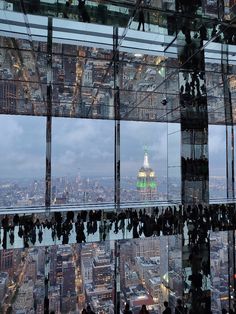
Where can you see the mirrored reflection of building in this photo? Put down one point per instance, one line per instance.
(219, 270)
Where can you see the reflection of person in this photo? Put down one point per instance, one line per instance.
(143, 310)
(141, 18)
(83, 11)
(167, 308)
(127, 309)
(66, 8)
(89, 311)
(179, 308)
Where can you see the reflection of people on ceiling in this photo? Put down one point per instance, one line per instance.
(141, 19)
(188, 6)
(83, 13)
(66, 9)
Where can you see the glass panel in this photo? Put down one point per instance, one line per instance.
(219, 271)
(151, 272)
(78, 275)
(22, 280)
(143, 161)
(174, 167)
(217, 163)
(23, 68)
(82, 161)
(22, 172)
(82, 82)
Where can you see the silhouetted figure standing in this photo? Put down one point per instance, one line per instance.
(127, 309)
(66, 9)
(141, 19)
(203, 33)
(143, 310)
(179, 308)
(83, 11)
(89, 311)
(167, 308)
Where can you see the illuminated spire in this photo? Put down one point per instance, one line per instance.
(146, 162)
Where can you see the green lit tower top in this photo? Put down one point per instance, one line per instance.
(146, 180)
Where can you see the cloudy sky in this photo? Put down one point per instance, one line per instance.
(87, 147)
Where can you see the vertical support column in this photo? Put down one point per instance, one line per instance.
(117, 118)
(194, 174)
(229, 172)
(230, 161)
(228, 123)
(49, 116)
(117, 165)
(230, 195)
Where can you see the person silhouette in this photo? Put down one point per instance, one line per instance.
(141, 18)
(127, 309)
(167, 308)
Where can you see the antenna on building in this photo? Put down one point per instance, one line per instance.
(145, 161)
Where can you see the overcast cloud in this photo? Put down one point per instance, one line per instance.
(87, 147)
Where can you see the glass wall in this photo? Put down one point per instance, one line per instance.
(217, 163)
(22, 161)
(143, 161)
(173, 160)
(219, 271)
(82, 161)
(73, 276)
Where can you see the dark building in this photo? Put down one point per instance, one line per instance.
(102, 269)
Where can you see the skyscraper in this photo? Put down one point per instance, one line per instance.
(146, 181)
(7, 261)
(68, 287)
(102, 269)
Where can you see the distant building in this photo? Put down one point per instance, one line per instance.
(64, 199)
(8, 95)
(102, 269)
(54, 299)
(7, 261)
(25, 298)
(32, 270)
(3, 285)
(68, 287)
(146, 181)
(68, 274)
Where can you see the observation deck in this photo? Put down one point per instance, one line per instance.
(77, 47)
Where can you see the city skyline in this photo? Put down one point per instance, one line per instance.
(83, 147)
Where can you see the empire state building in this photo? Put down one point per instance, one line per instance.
(146, 181)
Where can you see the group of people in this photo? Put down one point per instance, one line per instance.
(155, 221)
(82, 10)
(193, 100)
(179, 309)
(194, 169)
